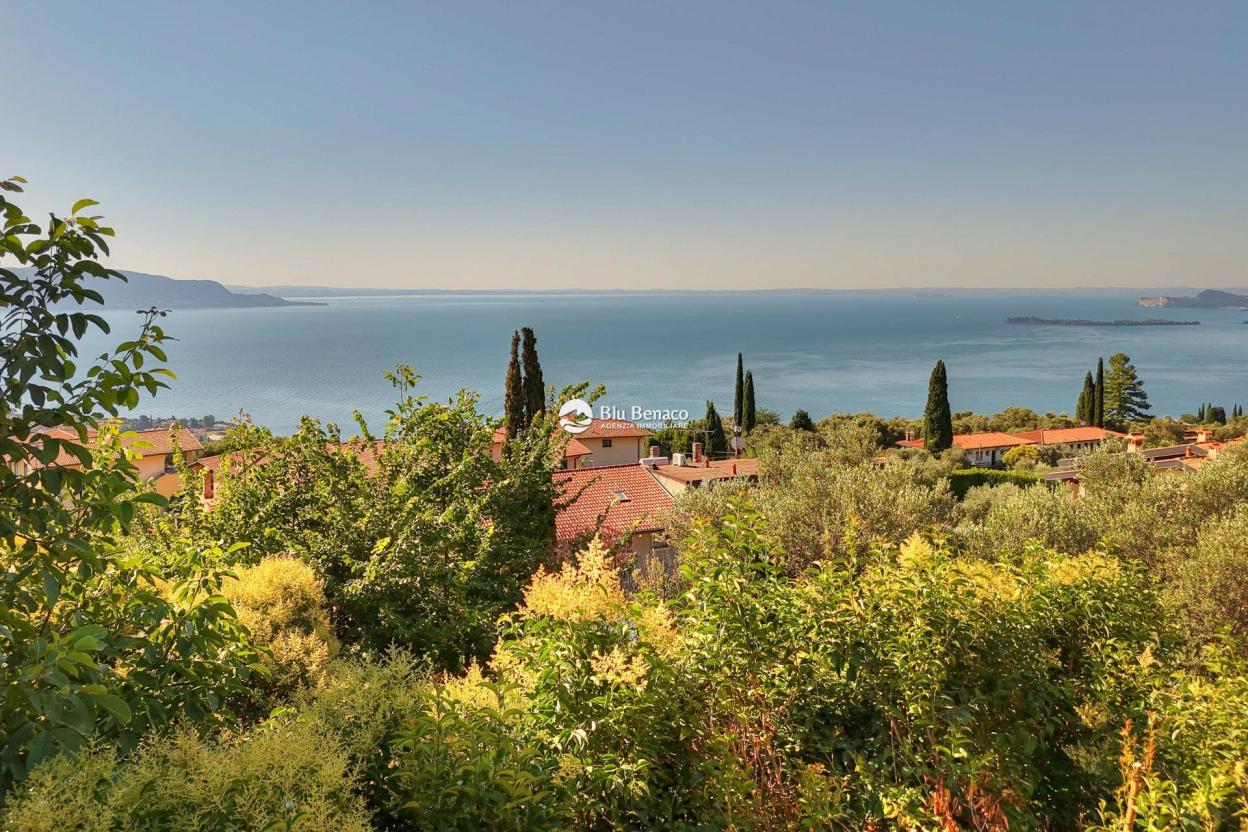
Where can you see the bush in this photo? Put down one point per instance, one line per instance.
(282, 602)
(364, 705)
(1210, 582)
(1056, 519)
(288, 777)
(965, 479)
(819, 510)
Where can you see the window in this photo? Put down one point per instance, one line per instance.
(606, 443)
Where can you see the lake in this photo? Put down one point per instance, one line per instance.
(821, 351)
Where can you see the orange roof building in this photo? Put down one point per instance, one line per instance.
(619, 503)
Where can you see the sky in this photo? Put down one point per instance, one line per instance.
(642, 144)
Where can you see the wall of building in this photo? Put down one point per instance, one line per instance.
(622, 451)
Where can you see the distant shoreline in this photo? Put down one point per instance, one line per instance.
(1028, 320)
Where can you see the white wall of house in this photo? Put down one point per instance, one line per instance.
(614, 451)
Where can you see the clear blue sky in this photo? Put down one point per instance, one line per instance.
(638, 144)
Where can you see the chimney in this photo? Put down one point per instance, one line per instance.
(655, 450)
(1135, 441)
(697, 452)
(1203, 434)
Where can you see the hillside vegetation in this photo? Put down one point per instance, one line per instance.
(372, 634)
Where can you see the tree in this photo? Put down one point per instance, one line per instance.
(1098, 395)
(716, 439)
(1125, 399)
(534, 385)
(750, 413)
(513, 393)
(1217, 414)
(738, 401)
(802, 421)
(1084, 408)
(1201, 412)
(937, 418)
(1021, 456)
(96, 639)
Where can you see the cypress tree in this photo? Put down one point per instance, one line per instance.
(738, 401)
(513, 391)
(716, 439)
(937, 417)
(1084, 407)
(1098, 397)
(534, 386)
(749, 414)
(1200, 412)
(802, 421)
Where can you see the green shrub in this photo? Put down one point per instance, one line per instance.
(965, 479)
(287, 777)
(1209, 587)
(281, 602)
(364, 705)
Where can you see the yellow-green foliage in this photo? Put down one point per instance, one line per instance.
(288, 777)
(282, 603)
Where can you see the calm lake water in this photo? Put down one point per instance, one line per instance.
(822, 351)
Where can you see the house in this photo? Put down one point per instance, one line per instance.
(613, 442)
(153, 449)
(983, 450)
(1184, 458)
(685, 471)
(575, 453)
(622, 504)
(1070, 441)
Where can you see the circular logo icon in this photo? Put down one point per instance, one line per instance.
(576, 416)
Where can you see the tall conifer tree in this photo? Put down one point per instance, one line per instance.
(513, 391)
(738, 401)
(716, 439)
(749, 414)
(534, 386)
(1098, 398)
(1084, 409)
(937, 417)
(1125, 399)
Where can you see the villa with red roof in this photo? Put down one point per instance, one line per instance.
(614, 442)
(985, 450)
(154, 450)
(622, 504)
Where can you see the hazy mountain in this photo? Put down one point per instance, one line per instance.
(140, 291)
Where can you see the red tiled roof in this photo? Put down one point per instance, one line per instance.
(599, 499)
(613, 429)
(1067, 436)
(572, 450)
(150, 442)
(976, 441)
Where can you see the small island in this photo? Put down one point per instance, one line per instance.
(1033, 321)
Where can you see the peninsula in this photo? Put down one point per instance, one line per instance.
(140, 291)
(1033, 321)
(1208, 299)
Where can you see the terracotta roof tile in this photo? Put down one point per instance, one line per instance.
(627, 497)
(976, 441)
(1068, 436)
